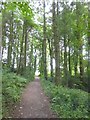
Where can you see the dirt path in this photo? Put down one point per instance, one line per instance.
(34, 103)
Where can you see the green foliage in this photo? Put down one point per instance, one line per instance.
(28, 73)
(12, 86)
(0, 106)
(67, 103)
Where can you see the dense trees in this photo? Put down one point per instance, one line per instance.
(15, 35)
(59, 43)
(88, 44)
(50, 39)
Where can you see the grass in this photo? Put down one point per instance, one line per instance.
(67, 103)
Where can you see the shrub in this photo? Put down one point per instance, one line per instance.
(28, 74)
(67, 103)
(12, 86)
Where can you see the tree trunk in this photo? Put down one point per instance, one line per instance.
(65, 60)
(35, 61)
(69, 58)
(70, 63)
(31, 57)
(76, 55)
(3, 30)
(44, 45)
(79, 39)
(17, 58)
(81, 63)
(9, 57)
(88, 67)
(21, 51)
(51, 56)
(56, 46)
(26, 35)
(75, 61)
(14, 56)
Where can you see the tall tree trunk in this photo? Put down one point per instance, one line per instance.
(51, 56)
(65, 46)
(13, 53)
(81, 63)
(69, 58)
(35, 61)
(13, 64)
(79, 39)
(88, 67)
(3, 30)
(75, 61)
(76, 55)
(65, 60)
(42, 61)
(69, 64)
(44, 44)
(20, 68)
(56, 46)
(31, 57)
(9, 57)
(17, 56)
(26, 35)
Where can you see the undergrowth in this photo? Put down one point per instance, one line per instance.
(67, 103)
(12, 86)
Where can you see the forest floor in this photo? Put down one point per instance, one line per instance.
(34, 103)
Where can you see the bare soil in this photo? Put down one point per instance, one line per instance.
(34, 103)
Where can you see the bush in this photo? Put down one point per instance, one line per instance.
(67, 103)
(28, 74)
(12, 86)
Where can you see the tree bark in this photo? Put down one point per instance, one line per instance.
(88, 34)
(56, 46)
(79, 39)
(65, 60)
(35, 61)
(17, 58)
(9, 57)
(44, 45)
(20, 68)
(3, 30)
(51, 56)
(69, 58)
(26, 35)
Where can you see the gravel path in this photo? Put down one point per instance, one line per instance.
(34, 103)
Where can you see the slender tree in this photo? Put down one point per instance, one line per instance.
(25, 49)
(21, 51)
(9, 57)
(56, 46)
(88, 67)
(79, 38)
(44, 44)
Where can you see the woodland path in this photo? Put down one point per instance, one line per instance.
(34, 103)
